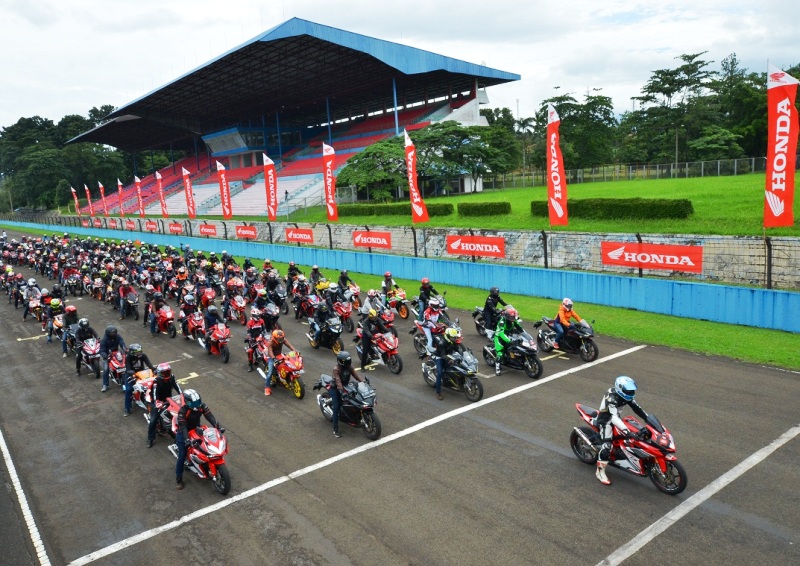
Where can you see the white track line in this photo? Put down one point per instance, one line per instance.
(116, 547)
(630, 548)
(41, 552)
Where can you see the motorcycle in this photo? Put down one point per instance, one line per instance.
(648, 451)
(270, 316)
(116, 367)
(165, 321)
(577, 339)
(278, 296)
(421, 340)
(131, 306)
(73, 285)
(329, 337)
(89, 352)
(305, 306)
(236, 309)
(98, 289)
(196, 326)
(288, 372)
(459, 374)
(383, 349)
(220, 336)
(58, 326)
(520, 353)
(414, 304)
(352, 294)
(205, 456)
(397, 301)
(345, 312)
(143, 398)
(358, 405)
(35, 309)
(480, 322)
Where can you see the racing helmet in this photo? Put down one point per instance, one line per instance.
(625, 387)
(343, 358)
(164, 371)
(278, 336)
(453, 335)
(192, 398)
(567, 303)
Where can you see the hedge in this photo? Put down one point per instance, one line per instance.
(392, 209)
(483, 208)
(614, 209)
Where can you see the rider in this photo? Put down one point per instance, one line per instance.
(32, 291)
(341, 377)
(84, 332)
(372, 302)
(275, 348)
(54, 309)
(315, 276)
(450, 344)
(135, 362)
(158, 302)
(301, 289)
(212, 317)
(335, 294)
(110, 343)
(160, 390)
(508, 325)
(344, 279)
(426, 291)
(489, 323)
(608, 417)
(565, 313)
(188, 308)
(388, 286)
(124, 290)
(70, 318)
(430, 319)
(255, 328)
(321, 315)
(369, 327)
(189, 417)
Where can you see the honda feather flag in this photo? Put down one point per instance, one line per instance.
(328, 165)
(161, 198)
(556, 183)
(89, 199)
(187, 188)
(77, 204)
(103, 197)
(119, 196)
(138, 183)
(782, 131)
(224, 192)
(419, 212)
(271, 184)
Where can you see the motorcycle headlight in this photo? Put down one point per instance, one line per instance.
(665, 441)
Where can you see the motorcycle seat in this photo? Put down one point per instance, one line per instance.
(588, 410)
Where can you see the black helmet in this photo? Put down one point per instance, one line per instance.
(135, 350)
(111, 331)
(158, 295)
(323, 308)
(343, 358)
(84, 323)
(344, 272)
(212, 309)
(494, 291)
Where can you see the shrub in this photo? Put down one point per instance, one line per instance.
(483, 208)
(356, 210)
(614, 209)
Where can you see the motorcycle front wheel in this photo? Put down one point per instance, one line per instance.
(372, 426)
(96, 368)
(488, 357)
(584, 452)
(473, 389)
(222, 480)
(298, 387)
(395, 363)
(226, 354)
(349, 326)
(673, 481)
(589, 351)
(285, 307)
(172, 331)
(135, 313)
(533, 367)
(326, 403)
(337, 346)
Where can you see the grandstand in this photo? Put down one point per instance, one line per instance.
(293, 101)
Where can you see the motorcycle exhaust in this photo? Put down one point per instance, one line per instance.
(586, 440)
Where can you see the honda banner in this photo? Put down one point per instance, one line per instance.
(175, 228)
(89, 198)
(271, 184)
(130, 225)
(301, 235)
(480, 246)
(97, 223)
(419, 212)
(328, 166)
(653, 256)
(161, 198)
(77, 204)
(119, 196)
(138, 183)
(187, 189)
(224, 192)
(367, 239)
(556, 182)
(85, 222)
(151, 226)
(112, 223)
(208, 230)
(103, 197)
(782, 131)
(247, 232)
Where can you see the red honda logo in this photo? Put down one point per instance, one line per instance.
(246, 232)
(481, 246)
(653, 256)
(304, 235)
(367, 239)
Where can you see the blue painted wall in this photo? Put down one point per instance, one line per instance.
(765, 308)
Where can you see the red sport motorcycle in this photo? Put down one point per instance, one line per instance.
(206, 456)
(165, 321)
(288, 372)
(89, 352)
(383, 349)
(345, 312)
(236, 309)
(116, 367)
(648, 449)
(220, 336)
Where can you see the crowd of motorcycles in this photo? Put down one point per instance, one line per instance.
(102, 271)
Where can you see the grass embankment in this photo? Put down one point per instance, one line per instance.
(722, 205)
(755, 345)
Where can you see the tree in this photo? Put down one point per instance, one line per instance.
(379, 169)
(40, 169)
(716, 143)
(501, 117)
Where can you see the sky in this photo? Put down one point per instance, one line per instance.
(60, 58)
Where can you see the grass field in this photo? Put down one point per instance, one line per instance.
(722, 205)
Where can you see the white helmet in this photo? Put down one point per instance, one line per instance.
(31, 282)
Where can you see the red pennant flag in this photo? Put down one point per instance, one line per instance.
(271, 184)
(103, 197)
(419, 212)
(77, 204)
(161, 198)
(89, 198)
(138, 183)
(556, 183)
(224, 192)
(328, 165)
(187, 188)
(119, 195)
(782, 132)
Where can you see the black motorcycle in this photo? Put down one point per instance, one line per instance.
(459, 374)
(577, 339)
(278, 296)
(480, 322)
(358, 405)
(329, 337)
(520, 353)
(73, 285)
(131, 306)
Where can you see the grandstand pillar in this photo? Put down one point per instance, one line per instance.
(278, 123)
(172, 157)
(328, 113)
(394, 94)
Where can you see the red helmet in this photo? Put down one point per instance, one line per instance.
(278, 336)
(425, 281)
(71, 309)
(388, 275)
(511, 314)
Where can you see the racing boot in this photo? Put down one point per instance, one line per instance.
(497, 368)
(601, 473)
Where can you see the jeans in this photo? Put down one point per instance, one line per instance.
(122, 305)
(336, 403)
(559, 331)
(423, 304)
(180, 441)
(439, 373)
(270, 369)
(49, 330)
(152, 323)
(129, 393)
(105, 371)
(429, 336)
(64, 342)
(155, 414)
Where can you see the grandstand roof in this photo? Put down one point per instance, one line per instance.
(290, 69)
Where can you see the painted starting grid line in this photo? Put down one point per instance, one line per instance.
(673, 516)
(116, 547)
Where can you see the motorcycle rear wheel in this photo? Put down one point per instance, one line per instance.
(222, 480)
(589, 351)
(395, 363)
(372, 426)
(480, 324)
(298, 387)
(420, 344)
(671, 483)
(226, 354)
(583, 451)
(402, 310)
(534, 367)
(473, 389)
(429, 373)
